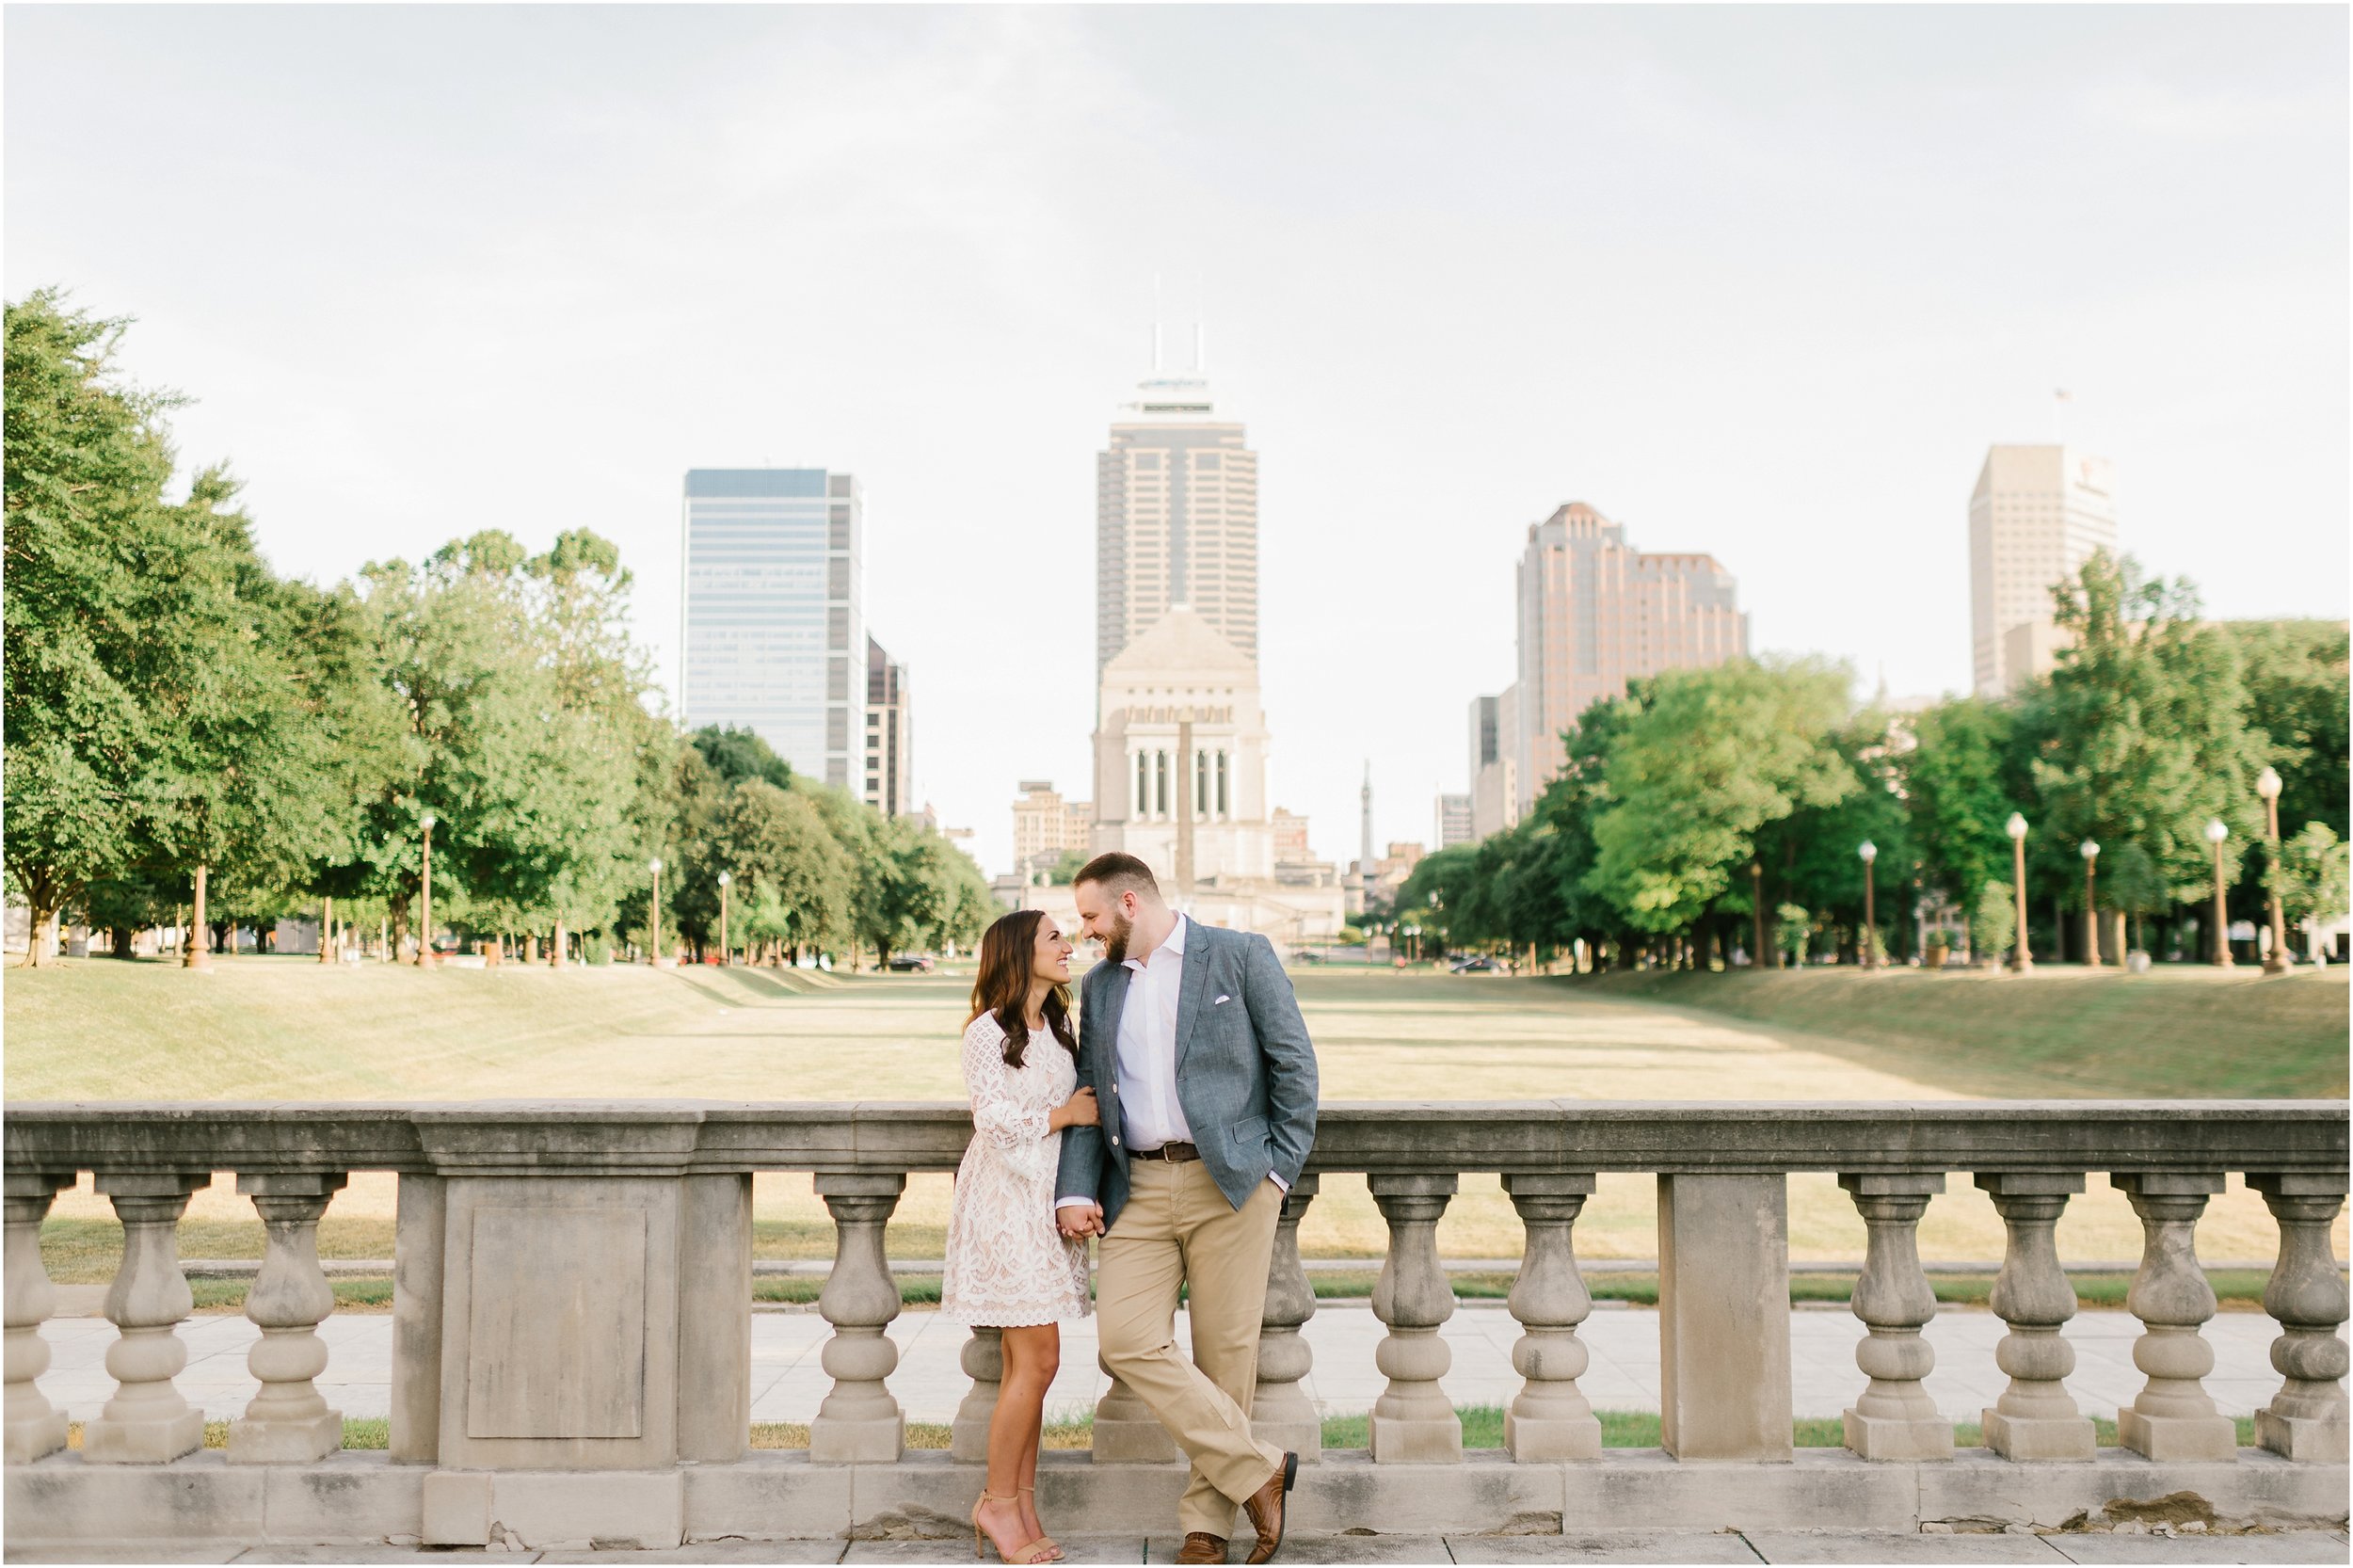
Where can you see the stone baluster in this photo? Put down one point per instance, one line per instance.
(2035, 1419)
(1126, 1431)
(1413, 1421)
(1280, 1411)
(984, 1362)
(2173, 1417)
(288, 1422)
(147, 1422)
(2306, 1419)
(860, 1421)
(1551, 1418)
(1894, 1418)
(33, 1429)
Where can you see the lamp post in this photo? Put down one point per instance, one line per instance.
(2215, 833)
(1763, 960)
(2267, 786)
(2021, 957)
(2091, 852)
(425, 931)
(654, 914)
(724, 880)
(1870, 852)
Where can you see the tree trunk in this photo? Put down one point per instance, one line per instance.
(199, 956)
(399, 938)
(326, 931)
(555, 948)
(122, 938)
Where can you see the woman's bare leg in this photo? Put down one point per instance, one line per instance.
(1048, 1363)
(1013, 1433)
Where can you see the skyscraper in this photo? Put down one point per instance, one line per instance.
(1594, 613)
(2037, 515)
(1494, 794)
(1176, 518)
(1454, 822)
(890, 735)
(771, 635)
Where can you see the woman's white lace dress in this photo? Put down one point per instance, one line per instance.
(1008, 1266)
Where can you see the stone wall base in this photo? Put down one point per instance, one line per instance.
(353, 1499)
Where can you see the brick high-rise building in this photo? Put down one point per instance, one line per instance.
(1595, 612)
(890, 735)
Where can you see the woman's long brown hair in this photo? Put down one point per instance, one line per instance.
(1008, 955)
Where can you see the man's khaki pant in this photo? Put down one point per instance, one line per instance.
(1176, 1230)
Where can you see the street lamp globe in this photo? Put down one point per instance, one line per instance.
(2216, 832)
(725, 879)
(430, 820)
(2090, 850)
(654, 865)
(2016, 826)
(1868, 850)
(2267, 784)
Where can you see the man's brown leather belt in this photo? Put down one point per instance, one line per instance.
(1171, 1152)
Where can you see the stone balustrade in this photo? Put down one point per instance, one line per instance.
(573, 1293)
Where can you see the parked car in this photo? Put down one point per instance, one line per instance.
(1476, 963)
(912, 963)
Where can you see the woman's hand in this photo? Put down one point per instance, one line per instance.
(1077, 1111)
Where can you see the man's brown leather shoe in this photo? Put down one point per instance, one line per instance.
(1201, 1547)
(1265, 1507)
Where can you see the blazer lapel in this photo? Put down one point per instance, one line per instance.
(1102, 1022)
(1196, 982)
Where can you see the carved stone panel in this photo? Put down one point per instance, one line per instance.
(557, 1331)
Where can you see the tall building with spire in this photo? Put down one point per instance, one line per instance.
(1175, 517)
(1180, 738)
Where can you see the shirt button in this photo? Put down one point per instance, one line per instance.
(1115, 1143)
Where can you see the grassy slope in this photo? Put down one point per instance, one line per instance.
(2174, 1032)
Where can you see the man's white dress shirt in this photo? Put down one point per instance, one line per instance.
(1149, 1113)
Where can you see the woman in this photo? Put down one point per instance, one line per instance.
(1008, 1266)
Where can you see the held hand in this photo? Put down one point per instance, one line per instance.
(1079, 1221)
(1080, 1110)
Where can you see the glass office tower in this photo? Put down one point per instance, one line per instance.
(770, 632)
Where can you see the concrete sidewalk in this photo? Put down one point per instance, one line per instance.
(787, 1382)
(1663, 1546)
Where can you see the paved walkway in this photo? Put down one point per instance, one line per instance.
(2054, 1551)
(787, 1382)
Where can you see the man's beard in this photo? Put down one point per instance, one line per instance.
(1115, 945)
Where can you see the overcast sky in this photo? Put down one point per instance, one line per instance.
(1759, 283)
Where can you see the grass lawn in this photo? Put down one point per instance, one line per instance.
(290, 1029)
(2177, 1031)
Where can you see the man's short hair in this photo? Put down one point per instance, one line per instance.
(1117, 873)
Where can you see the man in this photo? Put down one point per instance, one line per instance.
(1193, 1042)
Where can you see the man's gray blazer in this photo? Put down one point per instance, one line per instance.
(1245, 1071)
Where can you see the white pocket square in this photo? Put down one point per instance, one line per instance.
(1221, 1001)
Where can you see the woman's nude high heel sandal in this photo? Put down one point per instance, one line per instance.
(1034, 1552)
(1046, 1541)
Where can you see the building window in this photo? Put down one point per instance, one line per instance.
(1143, 785)
(1160, 783)
(1224, 803)
(1200, 783)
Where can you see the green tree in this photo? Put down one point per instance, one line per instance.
(1713, 755)
(736, 755)
(2313, 879)
(1961, 779)
(92, 571)
(2140, 733)
(2296, 681)
(776, 839)
(2131, 882)
(1993, 920)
